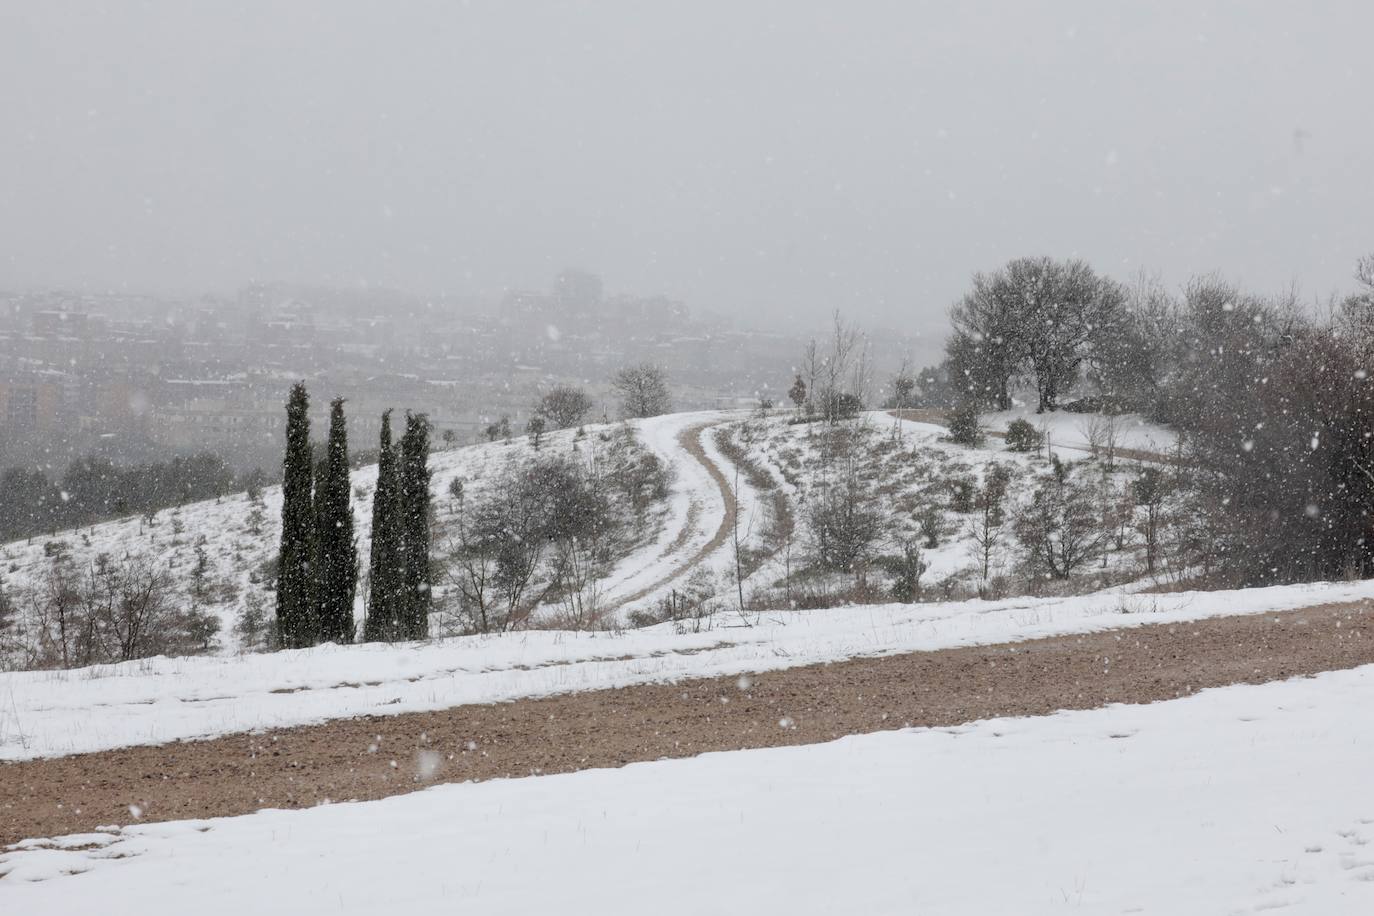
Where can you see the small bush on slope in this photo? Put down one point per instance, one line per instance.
(1022, 436)
(963, 425)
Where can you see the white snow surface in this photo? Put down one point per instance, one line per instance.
(1070, 430)
(1237, 800)
(153, 701)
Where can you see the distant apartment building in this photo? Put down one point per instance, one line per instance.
(29, 407)
(59, 323)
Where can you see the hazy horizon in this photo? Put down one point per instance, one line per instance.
(766, 160)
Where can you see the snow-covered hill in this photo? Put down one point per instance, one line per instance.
(923, 492)
(230, 544)
(220, 553)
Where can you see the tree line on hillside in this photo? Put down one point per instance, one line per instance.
(1273, 402)
(641, 389)
(317, 568)
(94, 489)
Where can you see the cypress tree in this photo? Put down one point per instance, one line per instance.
(336, 555)
(413, 524)
(384, 566)
(294, 611)
(319, 466)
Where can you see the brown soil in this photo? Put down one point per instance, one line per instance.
(378, 756)
(690, 440)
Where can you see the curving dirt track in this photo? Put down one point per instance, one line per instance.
(367, 758)
(690, 442)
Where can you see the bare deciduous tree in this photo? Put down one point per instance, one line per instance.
(811, 370)
(643, 390)
(137, 604)
(113, 610)
(989, 519)
(581, 587)
(1102, 432)
(564, 406)
(845, 372)
(1149, 490)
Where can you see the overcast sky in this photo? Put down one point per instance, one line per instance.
(752, 158)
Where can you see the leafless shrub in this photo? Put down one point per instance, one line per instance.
(1102, 432)
(691, 608)
(114, 609)
(580, 602)
(990, 517)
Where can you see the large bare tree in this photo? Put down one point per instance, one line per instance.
(643, 390)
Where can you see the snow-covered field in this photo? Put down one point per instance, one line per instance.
(1074, 431)
(1236, 800)
(52, 713)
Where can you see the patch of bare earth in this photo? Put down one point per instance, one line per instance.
(368, 758)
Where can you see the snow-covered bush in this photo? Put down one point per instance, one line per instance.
(1022, 436)
(963, 425)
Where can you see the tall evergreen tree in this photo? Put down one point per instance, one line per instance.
(295, 625)
(413, 523)
(319, 466)
(384, 567)
(336, 554)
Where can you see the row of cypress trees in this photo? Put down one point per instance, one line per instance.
(317, 573)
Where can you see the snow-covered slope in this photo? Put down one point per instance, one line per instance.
(912, 475)
(1237, 800)
(239, 539)
(53, 713)
(695, 509)
(1074, 432)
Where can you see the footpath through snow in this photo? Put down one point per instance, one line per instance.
(699, 510)
(153, 701)
(1236, 800)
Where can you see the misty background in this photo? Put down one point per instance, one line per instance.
(769, 160)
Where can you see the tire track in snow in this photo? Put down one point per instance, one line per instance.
(689, 440)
